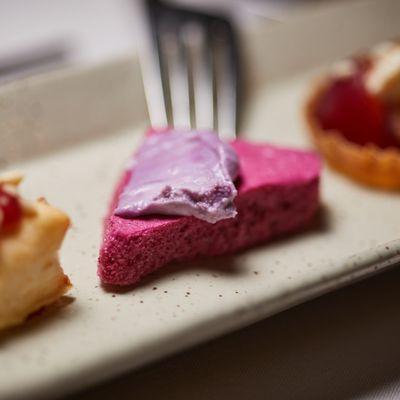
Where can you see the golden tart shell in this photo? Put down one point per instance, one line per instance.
(369, 164)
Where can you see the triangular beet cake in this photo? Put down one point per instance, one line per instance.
(277, 194)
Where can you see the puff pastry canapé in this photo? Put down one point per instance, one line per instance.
(30, 273)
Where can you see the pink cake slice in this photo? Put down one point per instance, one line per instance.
(278, 193)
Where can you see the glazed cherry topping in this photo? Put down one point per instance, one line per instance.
(346, 106)
(10, 208)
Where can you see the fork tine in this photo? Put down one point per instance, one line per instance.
(226, 79)
(196, 58)
(178, 72)
(202, 72)
(152, 66)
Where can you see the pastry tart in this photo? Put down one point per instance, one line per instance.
(353, 116)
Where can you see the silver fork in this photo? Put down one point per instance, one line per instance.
(190, 69)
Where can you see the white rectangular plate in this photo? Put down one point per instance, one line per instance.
(71, 133)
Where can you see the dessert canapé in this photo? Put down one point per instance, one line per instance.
(275, 191)
(30, 235)
(353, 115)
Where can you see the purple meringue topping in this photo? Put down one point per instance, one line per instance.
(182, 173)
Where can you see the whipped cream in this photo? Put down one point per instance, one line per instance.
(383, 79)
(343, 68)
(181, 173)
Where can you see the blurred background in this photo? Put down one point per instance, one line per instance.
(44, 34)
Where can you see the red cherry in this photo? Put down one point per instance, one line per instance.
(10, 208)
(347, 106)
